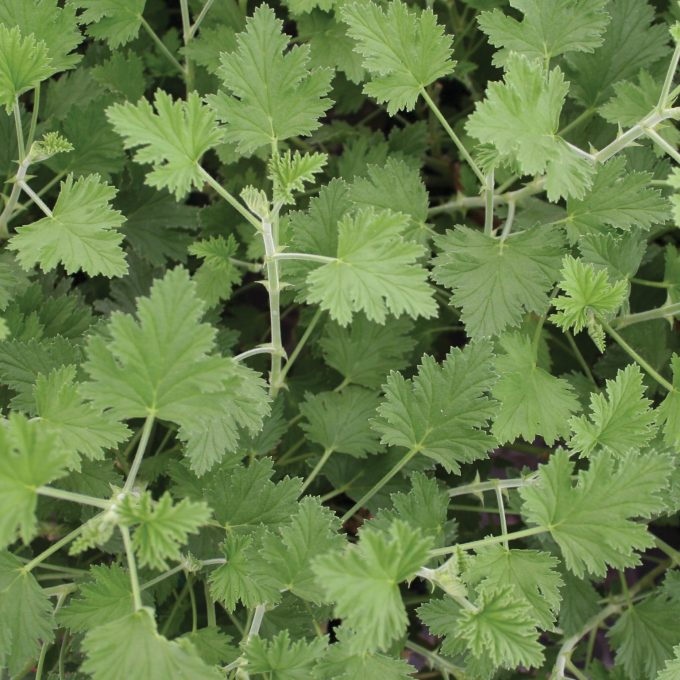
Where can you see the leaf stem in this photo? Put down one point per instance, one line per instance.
(406, 458)
(507, 227)
(663, 144)
(434, 660)
(491, 485)
(229, 198)
(301, 343)
(317, 468)
(637, 358)
(162, 46)
(64, 495)
(139, 455)
(501, 508)
(35, 198)
(34, 116)
(570, 643)
(489, 540)
(55, 547)
(132, 567)
(254, 629)
(488, 203)
(262, 349)
(274, 291)
(19, 130)
(199, 19)
(665, 312)
(454, 137)
(664, 99)
(311, 257)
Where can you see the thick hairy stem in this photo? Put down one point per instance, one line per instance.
(515, 535)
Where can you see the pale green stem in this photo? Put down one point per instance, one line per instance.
(488, 203)
(584, 115)
(436, 661)
(274, 292)
(19, 130)
(637, 358)
(229, 198)
(664, 99)
(317, 468)
(501, 508)
(663, 144)
(257, 621)
(567, 648)
(35, 198)
(651, 284)
(199, 19)
(162, 46)
(650, 121)
(186, 37)
(262, 349)
(665, 312)
(209, 606)
(454, 137)
(302, 342)
(507, 227)
(132, 567)
(139, 455)
(63, 495)
(491, 485)
(34, 116)
(311, 257)
(55, 547)
(490, 540)
(406, 458)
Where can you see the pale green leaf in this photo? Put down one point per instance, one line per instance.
(530, 573)
(547, 29)
(161, 528)
(617, 198)
(365, 352)
(312, 531)
(443, 411)
(520, 117)
(132, 647)
(172, 139)
(339, 421)
(49, 23)
(363, 581)
(28, 459)
(270, 94)
(593, 521)
(403, 49)
(532, 401)
(496, 282)
(620, 422)
(78, 428)
(107, 597)
(82, 232)
(282, 659)
(115, 21)
(644, 636)
(163, 362)
(24, 63)
(25, 615)
(376, 271)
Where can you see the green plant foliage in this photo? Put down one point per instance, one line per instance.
(339, 340)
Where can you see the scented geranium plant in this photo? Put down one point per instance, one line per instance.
(339, 340)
